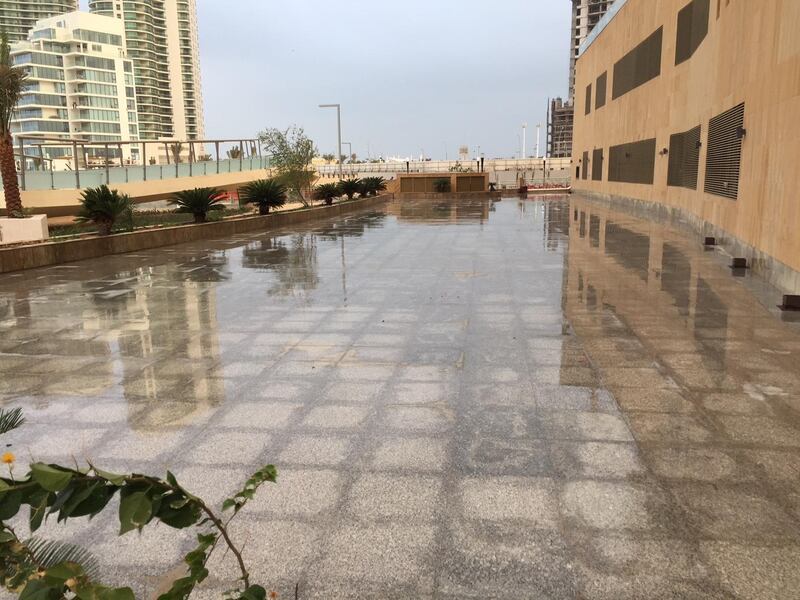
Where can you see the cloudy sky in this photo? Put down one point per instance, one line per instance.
(411, 75)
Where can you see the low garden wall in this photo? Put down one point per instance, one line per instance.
(49, 253)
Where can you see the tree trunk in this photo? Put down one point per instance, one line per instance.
(200, 217)
(328, 201)
(263, 209)
(8, 170)
(104, 227)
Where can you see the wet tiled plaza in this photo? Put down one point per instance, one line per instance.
(464, 399)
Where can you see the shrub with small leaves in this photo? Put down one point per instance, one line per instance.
(37, 569)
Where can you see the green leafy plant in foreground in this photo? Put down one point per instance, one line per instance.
(37, 569)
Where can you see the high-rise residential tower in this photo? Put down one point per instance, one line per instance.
(586, 14)
(17, 17)
(162, 42)
(80, 84)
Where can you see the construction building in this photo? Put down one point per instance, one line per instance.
(586, 14)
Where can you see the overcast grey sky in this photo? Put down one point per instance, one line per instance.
(410, 74)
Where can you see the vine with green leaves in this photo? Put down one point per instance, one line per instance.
(41, 569)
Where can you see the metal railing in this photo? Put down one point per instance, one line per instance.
(444, 166)
(91, 164)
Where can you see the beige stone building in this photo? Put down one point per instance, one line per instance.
(693, 108)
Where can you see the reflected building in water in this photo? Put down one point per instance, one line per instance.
(625, 275)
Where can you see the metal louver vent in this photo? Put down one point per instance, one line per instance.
(692, 29)
(638, 66)
(585, 165)
(600, 91)
(588, 99)
(684, 159)
(724, 153)
(633, 162)
(597, 164)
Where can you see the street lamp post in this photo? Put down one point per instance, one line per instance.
(339, 131)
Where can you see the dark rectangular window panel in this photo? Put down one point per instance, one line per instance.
(585, 163)
(597, 164)
(724, 153)
(692, 29)
(638, 66)
(588, 99)
(600, 91)
(684, 159)
(632, 163)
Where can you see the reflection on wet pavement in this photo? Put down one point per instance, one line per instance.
(513, 399)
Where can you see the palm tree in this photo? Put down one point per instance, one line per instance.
(12, 84)
(198, 202)
(103, 206)
(372, 186)
(266, 193)
(326, 192)
(350, 187)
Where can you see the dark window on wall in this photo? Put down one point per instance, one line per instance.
(724, 153)
(585, 163)
(692, 29)
(638, 66)
(597, 164)
(684, 159)
(588, 99)
(600, 91)
(633, 162)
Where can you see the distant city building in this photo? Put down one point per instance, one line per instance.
(585, 16)
(17, 17)
(162, 42)
(560, 117)
(80, 83)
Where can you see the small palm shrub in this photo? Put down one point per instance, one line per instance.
(103, 207)
(264, 193)
(198, 202)
(350, 187)
(326, 192)
(372, 186)
(442, 185)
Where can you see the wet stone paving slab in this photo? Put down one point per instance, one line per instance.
(464, 399)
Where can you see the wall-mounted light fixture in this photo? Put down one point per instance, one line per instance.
(698, 144)
(741, 132)
(663, 152)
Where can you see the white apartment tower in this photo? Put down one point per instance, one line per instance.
(162, 41)
(17, 17)
(80, 83)
(585, 15)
